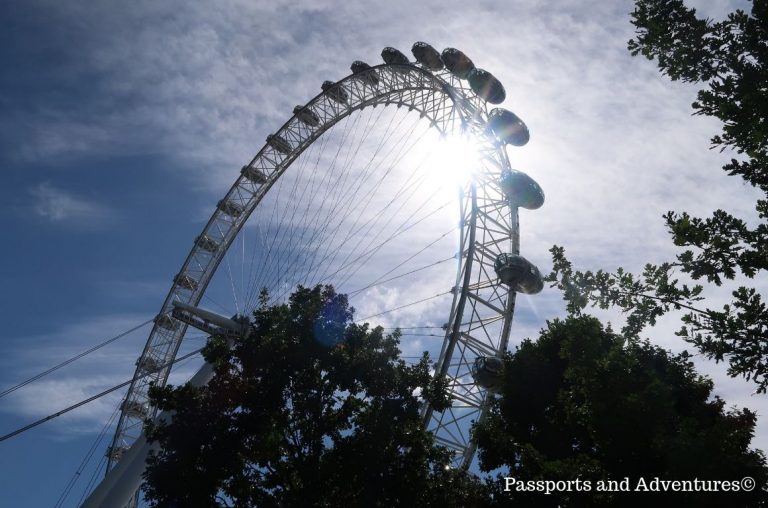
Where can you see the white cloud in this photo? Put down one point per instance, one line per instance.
(57, 205)
(25, 357)
(41, 399)
(613, 143)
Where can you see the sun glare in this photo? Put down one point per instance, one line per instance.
(455, 159)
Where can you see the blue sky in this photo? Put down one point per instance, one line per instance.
(122, 124)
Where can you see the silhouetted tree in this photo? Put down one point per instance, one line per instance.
(310, 409)
(582, 403)
(730, 58)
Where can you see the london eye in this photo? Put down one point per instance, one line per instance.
(394, 185)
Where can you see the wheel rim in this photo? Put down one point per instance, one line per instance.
(481, 310)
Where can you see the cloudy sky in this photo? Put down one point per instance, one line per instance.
(122, 124)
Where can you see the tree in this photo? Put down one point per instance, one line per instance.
(605, 408)
(730, 58)
(310, 409)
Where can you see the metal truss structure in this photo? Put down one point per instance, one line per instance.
(482, 309)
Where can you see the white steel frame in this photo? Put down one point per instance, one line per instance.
(482, 309)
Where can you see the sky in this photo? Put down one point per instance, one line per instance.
(122, 124)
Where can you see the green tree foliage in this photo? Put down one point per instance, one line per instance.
(730, 58)
(309, 410)
(584, 403)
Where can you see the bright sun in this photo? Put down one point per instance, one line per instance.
(453, 161)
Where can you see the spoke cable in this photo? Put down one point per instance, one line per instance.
(74, 358)
(374, 220)
(92, 482)
(404, 306)
(266, 275)
(378, 282)
(365, 259)
(91, 399)
(351, 195)
(339, 189)
(397, 155)
(392, 237)
(86, 459)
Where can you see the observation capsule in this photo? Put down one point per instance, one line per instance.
(115, 453)
(306, 116)
(457, 62)
(518, 273)
(488, 373)
(427, 56)
(230, 208)
(148, 365)
(253, 174)
(521, 190)
(166, 322)
(185, 281)
(135, 409)
(335, 92)
(486, 86)
(393, 56)
(206, 243)
(364, 73)
(279, 143)
(507, 127)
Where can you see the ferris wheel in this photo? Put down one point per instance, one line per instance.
(347, 192)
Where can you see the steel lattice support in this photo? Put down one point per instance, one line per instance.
(482, 309)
